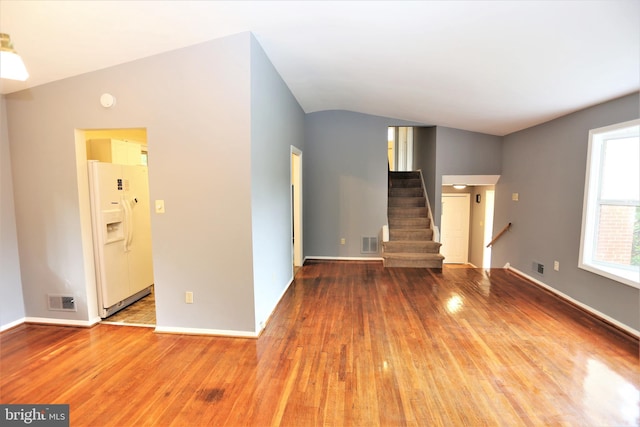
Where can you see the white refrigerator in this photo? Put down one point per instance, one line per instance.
(121, 222)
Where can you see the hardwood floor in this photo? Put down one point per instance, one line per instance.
(350, 344)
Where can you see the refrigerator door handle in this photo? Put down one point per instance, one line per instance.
(130, 222)
(127, 223)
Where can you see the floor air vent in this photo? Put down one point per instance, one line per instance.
(369, 245)
(62, 303)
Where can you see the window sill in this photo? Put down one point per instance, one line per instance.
(624, 276)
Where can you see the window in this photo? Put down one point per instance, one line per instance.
(610, 241)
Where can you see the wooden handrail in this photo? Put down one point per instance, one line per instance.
(504, 230)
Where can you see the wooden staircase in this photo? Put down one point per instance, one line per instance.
(410, 230)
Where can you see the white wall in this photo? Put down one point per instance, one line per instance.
(195, 104)
(11, 300)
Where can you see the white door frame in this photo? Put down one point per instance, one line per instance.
(489, 197)
(296, 207)
(86, 231)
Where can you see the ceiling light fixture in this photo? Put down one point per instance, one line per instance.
(459, 186)
(11, 65)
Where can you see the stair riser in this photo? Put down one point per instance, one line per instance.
(395, 223)
(410, 202)
(405, 192)
(404, 175)
(410, 234)
(407, 212)
(415, 247)
(406, 183)
(413, 263)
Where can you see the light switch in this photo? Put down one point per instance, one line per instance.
(159, 206)
(515, 197)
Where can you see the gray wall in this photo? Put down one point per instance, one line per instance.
(277, 123)
(424, 158)
(195, 104)
(546, 166)
(11, 301)
(344, 181)
(460, 152)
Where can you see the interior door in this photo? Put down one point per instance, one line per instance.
(454, 225)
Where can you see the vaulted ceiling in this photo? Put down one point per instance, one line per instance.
(487, 66)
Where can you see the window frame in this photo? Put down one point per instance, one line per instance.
(591, 212)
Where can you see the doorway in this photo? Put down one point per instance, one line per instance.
(400, 148)
(454, 224)
(126, 148)
(296, 209)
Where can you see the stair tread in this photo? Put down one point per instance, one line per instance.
(410, 234)
(406, 241)
(404, 173)
(417, 229)
(409, 208)
(405, 198)
(413, 255)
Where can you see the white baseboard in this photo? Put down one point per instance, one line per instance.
(62, 322)
(11, 324)
(334, 258)
(201, 331)
(585, 307)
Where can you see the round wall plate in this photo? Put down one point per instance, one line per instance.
(107, 100)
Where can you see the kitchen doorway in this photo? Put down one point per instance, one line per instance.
(113, 225)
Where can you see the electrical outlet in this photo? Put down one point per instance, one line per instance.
(343, 241)
(556, 265)
(188, 297)
(515, 197)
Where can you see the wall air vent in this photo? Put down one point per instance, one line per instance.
(62, 302)
(537, 267)
(369, 245)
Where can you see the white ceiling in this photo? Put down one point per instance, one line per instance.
(487, 66)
